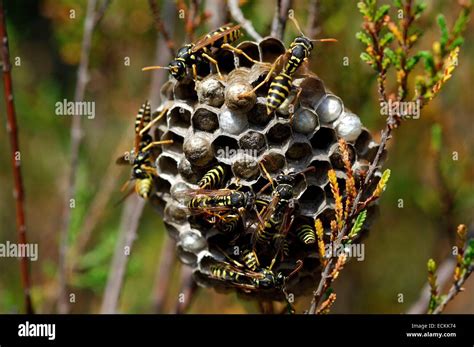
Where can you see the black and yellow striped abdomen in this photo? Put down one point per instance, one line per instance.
(143, 117)
(143, 187)
(306, 234)
(250, 259)
(279, 90)
(224, 273)
(229, 223)
(213, 179)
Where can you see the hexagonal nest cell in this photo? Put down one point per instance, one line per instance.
(224, 122)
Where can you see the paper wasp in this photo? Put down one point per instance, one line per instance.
(194, 55)
(252, 277)
(218, 204)
(277, 217)
(297, 55)
(141, 157)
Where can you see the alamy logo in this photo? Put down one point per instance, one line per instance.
(229, 153)
(75, 108)
(404, 109)
(353, 250)
(19, 250)
(28, 329)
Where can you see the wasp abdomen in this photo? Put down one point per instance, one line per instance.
(306, 234)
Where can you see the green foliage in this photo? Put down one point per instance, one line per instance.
(444, 30)
(383, 51)
(469, 254)
(359, 222)
(364, 38)
(381, 12)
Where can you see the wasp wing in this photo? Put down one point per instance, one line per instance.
(209, 39)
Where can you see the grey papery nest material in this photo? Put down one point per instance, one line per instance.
(210, 124)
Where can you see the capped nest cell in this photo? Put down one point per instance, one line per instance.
(221, 121)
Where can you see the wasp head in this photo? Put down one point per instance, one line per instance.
(177, 69)
(285, 179)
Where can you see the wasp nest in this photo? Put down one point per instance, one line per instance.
(217, 121)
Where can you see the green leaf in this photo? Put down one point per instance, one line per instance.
(367, 58)
(386, 62)
(386, 39)
(412, 61)
(469, 254)
(431, 265)
(392, 56)
(359, 222)
(444, 30)
(419, 9)
(460, 24)
(381, 12)
(397, 3)
(364, 10)
(429, 61)
(436, 137)
(364, 38)
(456, 43)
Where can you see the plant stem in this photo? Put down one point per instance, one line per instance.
(128, 232)
(76, 138)
(280, 17)
(18, 190)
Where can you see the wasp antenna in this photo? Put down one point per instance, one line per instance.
(293, 19)
(155, 67)
(323, 40)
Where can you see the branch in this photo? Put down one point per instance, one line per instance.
(128, 232)
(237, 14)
(161, 27)
(187, 290)
(444, 274)
(100, 13)
(164, 274)
(455, 289)
(18, 191)
(313, 27)
(92, 17)
(280, 17)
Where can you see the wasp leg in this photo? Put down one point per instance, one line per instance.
(267, 78)
(241, 52)
(214, 62)
(269, 178)
(156, 119)
(157, 143)
(149, 169)
(293, 104)
(195, 75)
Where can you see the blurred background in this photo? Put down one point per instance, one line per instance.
(436, 191)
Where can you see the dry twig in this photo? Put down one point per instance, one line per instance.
(164, 274)
(93, 16)
(280, 17)
(160, 26)
(187, 290)
(237, 14)
(128, 232)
